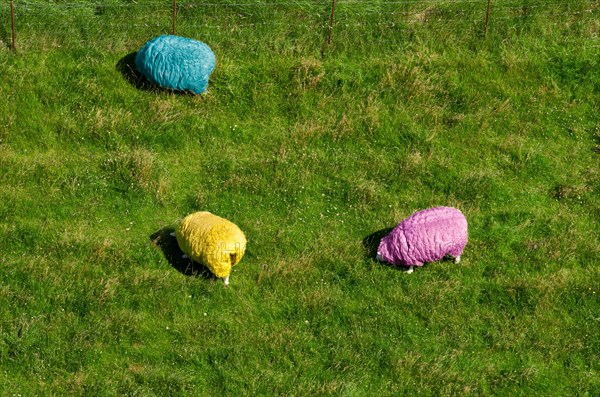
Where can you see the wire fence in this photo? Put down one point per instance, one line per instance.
(33, 24)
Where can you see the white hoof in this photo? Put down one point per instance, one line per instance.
(226, 281)
(410, 269)
(457, 259)
(184, 256)
(379, 258)
(172, 234)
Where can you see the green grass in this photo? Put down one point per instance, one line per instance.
(311, 155)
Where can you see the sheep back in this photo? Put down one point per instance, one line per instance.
(426, 236)
(177, 63)
(212, 241)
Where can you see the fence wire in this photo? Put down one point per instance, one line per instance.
(49, 23)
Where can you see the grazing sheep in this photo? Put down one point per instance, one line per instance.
(177, 63)
(212, 241)
(426, 236)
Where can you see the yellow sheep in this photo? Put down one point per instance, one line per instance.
(212, 241)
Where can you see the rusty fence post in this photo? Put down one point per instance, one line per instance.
(174, 17)
(331, 22)
(487, 16)
(12, 18)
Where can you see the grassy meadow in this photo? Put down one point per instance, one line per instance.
(315, 151)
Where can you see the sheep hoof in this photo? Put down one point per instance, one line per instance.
(172, 234)
(457, 259)
(410, 269)
(226, 281)
(184, 256)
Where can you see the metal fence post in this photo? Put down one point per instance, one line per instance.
(487, 17)
(174, 17)
(12, 18)
(331, 22)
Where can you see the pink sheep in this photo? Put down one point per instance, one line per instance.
(425, 236)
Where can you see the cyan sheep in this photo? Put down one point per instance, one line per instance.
(177, 63)
(426, 236)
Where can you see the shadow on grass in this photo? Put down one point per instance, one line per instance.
(126, 66)
(4, 38)
(173, 254)
(371, 242)
(596, 148)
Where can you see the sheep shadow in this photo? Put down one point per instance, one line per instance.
(5, 39)
(126, 66)
(173, 254)
(371, 242)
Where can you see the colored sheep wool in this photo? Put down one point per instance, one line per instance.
(177, 63)
(426, 236)
(212, 241)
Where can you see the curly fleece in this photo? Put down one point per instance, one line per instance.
(212, 241)
(426, 236)
(176, 62)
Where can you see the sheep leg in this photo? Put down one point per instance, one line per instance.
(410, 269)
(172, 234)
(457, 259)
(184, 256)
(226, 281)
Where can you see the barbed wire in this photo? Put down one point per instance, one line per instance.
(447, 15)
(239, 16)
(279, 3)
(320, 4)
(322, 26)
(98, 8)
